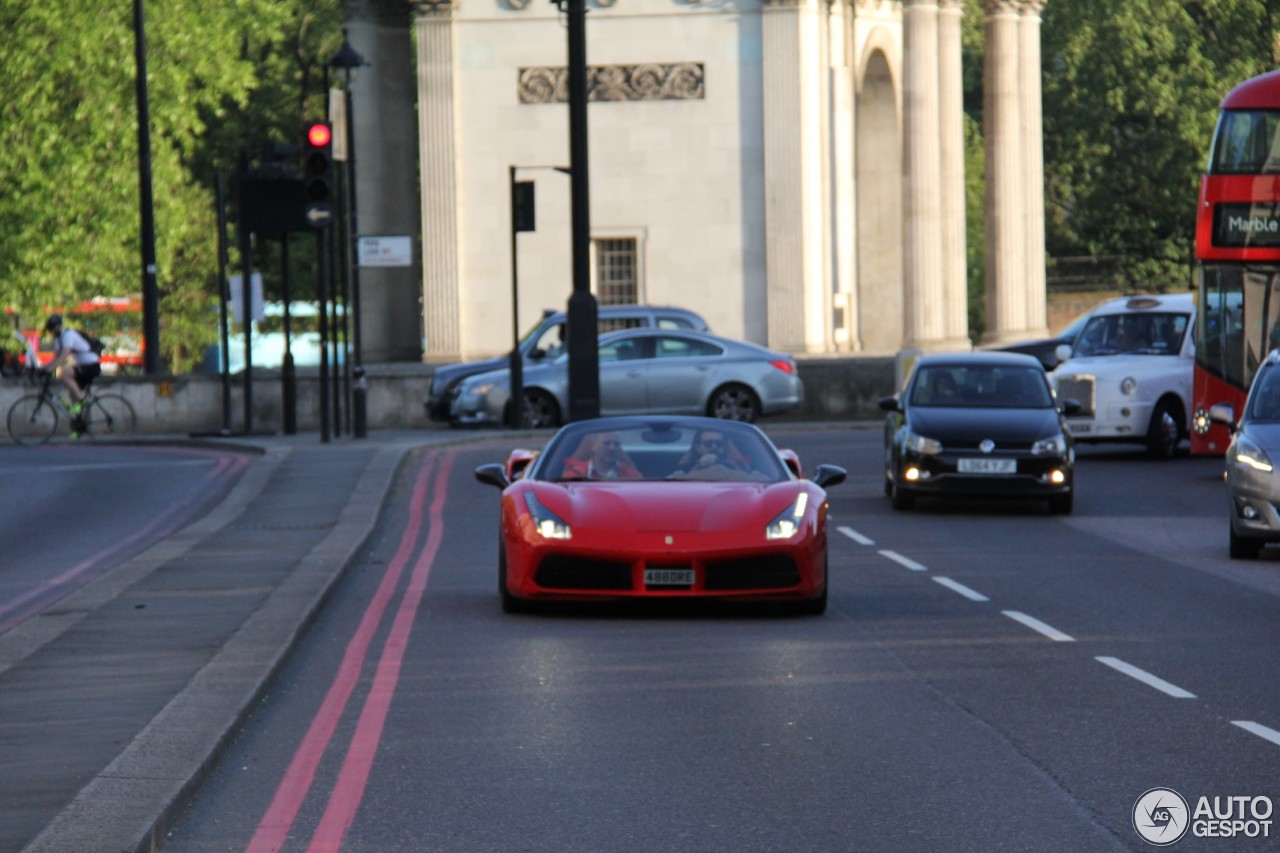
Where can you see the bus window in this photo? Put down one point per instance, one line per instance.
(1247, 143)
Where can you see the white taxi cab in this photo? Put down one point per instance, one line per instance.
(1130, 370)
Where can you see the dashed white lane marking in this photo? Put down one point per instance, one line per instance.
(955, 586)
(903, 561)
(1259, 730)
(855, 536)
(1036, 625)
(1147, 678)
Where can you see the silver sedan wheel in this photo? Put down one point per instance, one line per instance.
(540, 409)
(734, 403)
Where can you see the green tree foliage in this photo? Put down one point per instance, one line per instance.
(69, 215)
(1131, 89)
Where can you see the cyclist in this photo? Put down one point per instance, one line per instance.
(79, 362)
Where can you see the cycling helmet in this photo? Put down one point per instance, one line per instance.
(53, 323)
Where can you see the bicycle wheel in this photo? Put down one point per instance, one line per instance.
(32, 420)
(108, 415)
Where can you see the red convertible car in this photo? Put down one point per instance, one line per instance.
(661, 508)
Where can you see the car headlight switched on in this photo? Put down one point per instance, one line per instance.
(920, 444)
(1251, 455)
(1128, 385)
(1052, 446)
(787, 524)
(547, 523)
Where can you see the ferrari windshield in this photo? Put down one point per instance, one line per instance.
(981, 386)
(630, 449)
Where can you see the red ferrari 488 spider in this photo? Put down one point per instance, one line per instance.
(661, 508)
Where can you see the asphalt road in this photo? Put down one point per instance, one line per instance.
(69, 513)
(986, 678)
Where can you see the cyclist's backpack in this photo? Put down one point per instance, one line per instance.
(95, 344)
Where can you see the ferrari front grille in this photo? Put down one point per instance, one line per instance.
(558, 572)
(776, 571)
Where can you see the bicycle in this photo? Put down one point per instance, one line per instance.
(34, 418)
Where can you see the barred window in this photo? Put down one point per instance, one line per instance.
(616, 271)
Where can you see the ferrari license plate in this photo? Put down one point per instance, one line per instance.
(988, 466)
(668, 577)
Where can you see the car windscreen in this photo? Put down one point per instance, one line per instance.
(1145, 333)
(632, 451)
(980, 386)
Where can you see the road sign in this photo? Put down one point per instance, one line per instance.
(385, 251)
(319, 214)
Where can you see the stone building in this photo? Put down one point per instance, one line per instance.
(791, 169)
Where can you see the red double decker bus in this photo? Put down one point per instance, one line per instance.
(1237, 254)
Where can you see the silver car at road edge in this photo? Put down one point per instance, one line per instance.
(647, 371)
(1253, 482)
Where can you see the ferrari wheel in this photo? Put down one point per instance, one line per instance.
(510, 604)
(818, 605)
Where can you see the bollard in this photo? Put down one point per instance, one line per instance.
(359, 404)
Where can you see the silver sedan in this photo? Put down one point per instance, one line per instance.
(647, 371)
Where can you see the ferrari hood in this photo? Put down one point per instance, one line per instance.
(672, 507)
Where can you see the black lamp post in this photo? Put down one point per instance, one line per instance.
(345, 61)
(150, 289)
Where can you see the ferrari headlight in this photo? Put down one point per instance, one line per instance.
(1053, 446)
(919, 444)
(1128, 385)
(547, 523)
(787, 524)
(1251, 455)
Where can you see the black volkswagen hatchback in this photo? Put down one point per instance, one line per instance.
(977, 425)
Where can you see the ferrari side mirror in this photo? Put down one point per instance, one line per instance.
(829, 475)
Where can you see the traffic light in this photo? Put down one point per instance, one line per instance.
(317, 173)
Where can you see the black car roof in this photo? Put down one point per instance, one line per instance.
(981, 358)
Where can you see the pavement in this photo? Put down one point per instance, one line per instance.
(116, 702)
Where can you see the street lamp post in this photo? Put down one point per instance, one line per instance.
(146, 204)
(584, 354)
(346, 60)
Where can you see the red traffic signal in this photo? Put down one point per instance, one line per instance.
(319, 134)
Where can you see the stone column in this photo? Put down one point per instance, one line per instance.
(843, 165)
(1005, 197)
(384, 98)
(922, 170)
(790, 52)
(952, 190)
(437, 133)
(1033, 165)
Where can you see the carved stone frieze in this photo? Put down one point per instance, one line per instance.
(681, 81)
(1001, 7)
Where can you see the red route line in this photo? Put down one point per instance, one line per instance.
(273, 829)
(21, 608)
(354, 777)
